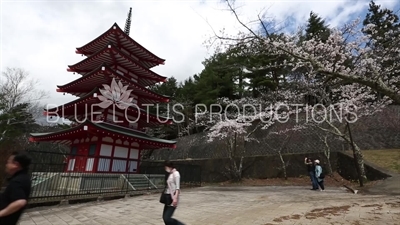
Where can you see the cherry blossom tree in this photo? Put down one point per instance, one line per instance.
(368, 55)
(343, 105)
(237, 120)
(323, 137)
(358, 65)
(282, 146)
(340, 105)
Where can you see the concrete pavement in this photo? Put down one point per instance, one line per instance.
(232, 205)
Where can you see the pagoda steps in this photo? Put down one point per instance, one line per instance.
(61, 184)
(142, 181)
(40, 178)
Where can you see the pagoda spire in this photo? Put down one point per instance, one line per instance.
(128, 22)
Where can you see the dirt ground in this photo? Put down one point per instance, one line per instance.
(333, 180)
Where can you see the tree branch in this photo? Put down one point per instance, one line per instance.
(237, 18)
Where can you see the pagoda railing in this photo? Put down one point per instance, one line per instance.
(51, 183)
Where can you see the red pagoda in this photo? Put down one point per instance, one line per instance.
(111, 110)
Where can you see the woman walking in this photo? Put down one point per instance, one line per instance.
(170, 197)
(319, 175)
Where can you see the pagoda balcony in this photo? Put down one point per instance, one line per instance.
(88, 107)
(104, 75)
(90, 129)
(102, 147)
(118, 37)
(119, 61)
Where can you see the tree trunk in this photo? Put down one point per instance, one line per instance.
(283, 165)
(329, 164)
(327, 154)
(358, 158)
(239, 170)
(235, 170)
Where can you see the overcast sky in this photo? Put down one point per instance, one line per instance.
(41, 36)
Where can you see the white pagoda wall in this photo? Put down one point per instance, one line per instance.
(121, 156)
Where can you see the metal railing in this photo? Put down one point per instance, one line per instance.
(190, 174)
(54, 179)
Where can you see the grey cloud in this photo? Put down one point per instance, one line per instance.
(41, 37)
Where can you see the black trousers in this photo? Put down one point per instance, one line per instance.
(321, 184)
(167, 216)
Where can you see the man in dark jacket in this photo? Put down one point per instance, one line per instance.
(15, 197)
(311, 172)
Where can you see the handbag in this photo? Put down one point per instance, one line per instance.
(165, 198)
(162, 198)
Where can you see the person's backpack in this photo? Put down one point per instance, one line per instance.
(322, 175)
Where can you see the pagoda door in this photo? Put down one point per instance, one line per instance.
(81, 158)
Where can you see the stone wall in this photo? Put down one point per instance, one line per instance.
(347, 168)
(262, 167)
(381, 131)
(258, 167)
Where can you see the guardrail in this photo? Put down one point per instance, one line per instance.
(51, 182)
(47, 187)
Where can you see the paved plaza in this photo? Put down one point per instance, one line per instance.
(232, 205)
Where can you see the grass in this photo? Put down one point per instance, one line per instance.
(386, 158)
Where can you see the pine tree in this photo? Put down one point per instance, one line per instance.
(316, 28)
(386, 36)
(384, 20)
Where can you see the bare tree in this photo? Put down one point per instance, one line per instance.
(19, 98)
(18, 87)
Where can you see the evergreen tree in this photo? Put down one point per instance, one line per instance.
(316, 28)
(384, 20)
(386, 35)
(15, 121)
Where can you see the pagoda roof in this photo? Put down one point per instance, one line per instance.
(114, 56)
(104, 75)
(89, 128)
(79, 108)
(117, 36)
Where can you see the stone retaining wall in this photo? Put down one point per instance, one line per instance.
(381, 131)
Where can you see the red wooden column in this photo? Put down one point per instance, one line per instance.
(128, 160)
(97, 154)
(112, 154)
(138, 160)
(68, 159)
(138, 122)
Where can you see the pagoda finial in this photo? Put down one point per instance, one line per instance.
(128, 22)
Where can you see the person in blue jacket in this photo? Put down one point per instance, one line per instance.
(318, 173)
